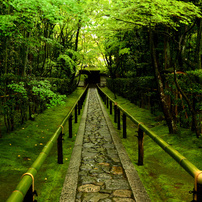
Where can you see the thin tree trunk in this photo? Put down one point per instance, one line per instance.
(6, 57)
(26, 55)
(76, 48)
(193, 112)
(166, 110)
(167, 52)
(199, 44)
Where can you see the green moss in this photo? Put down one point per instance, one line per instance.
(20, 148)
(162, 176)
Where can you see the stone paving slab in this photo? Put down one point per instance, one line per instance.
(99, 169)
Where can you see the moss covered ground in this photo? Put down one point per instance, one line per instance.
(20, 148)
(163, 178)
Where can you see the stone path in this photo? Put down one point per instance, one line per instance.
(100, 176)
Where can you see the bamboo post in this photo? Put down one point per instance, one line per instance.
(79, 107)
(198, 187)
(140, 146)
(60, 150)
(124, 126)
(29, 195)
(75, 113)
(199, 192)
(119, 120)
(115, 113)
(70, 126)
(105, 99)
(110, 107)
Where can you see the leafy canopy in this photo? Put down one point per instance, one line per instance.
(170, 13)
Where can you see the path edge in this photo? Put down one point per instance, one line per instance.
(136, 185)
(68, 193)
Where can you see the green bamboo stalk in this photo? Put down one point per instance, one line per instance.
(184, 163)
(19, 193)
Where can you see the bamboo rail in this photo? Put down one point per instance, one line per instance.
(184, 163)
(27, 181)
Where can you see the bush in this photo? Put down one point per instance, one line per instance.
(132, 88)
(21, 97)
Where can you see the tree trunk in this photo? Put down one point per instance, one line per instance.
(193, 112)
(76, 48)
(167, 52)
(6, 58)
(199, 44)
(168, 116)
(26, 49)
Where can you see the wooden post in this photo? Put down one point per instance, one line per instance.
(104, 98)
(70, 126)
(199, 192)
(29, 195)
(107, 103)
(140, 147)
(60, 150)
(110, 107)
(75, 113)
(115, 113)
(79, 107)
(124, 126)
(119, 120)
(81, 102)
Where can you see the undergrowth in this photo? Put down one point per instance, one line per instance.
(20, 148)
(162, 176)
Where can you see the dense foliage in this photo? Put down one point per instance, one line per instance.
(22, 98)
(143, 92)
(156, 38)
(39, 55)
(149, 38)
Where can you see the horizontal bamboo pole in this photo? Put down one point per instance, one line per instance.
(19, 193)
(187, 165)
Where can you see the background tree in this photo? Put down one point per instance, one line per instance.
(164, 22)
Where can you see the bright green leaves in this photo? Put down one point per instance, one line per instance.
(42, 89)
(68, 63)
(170, 13)
(18, 88)
(7, 25)
(24, 14)
(124, 51)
